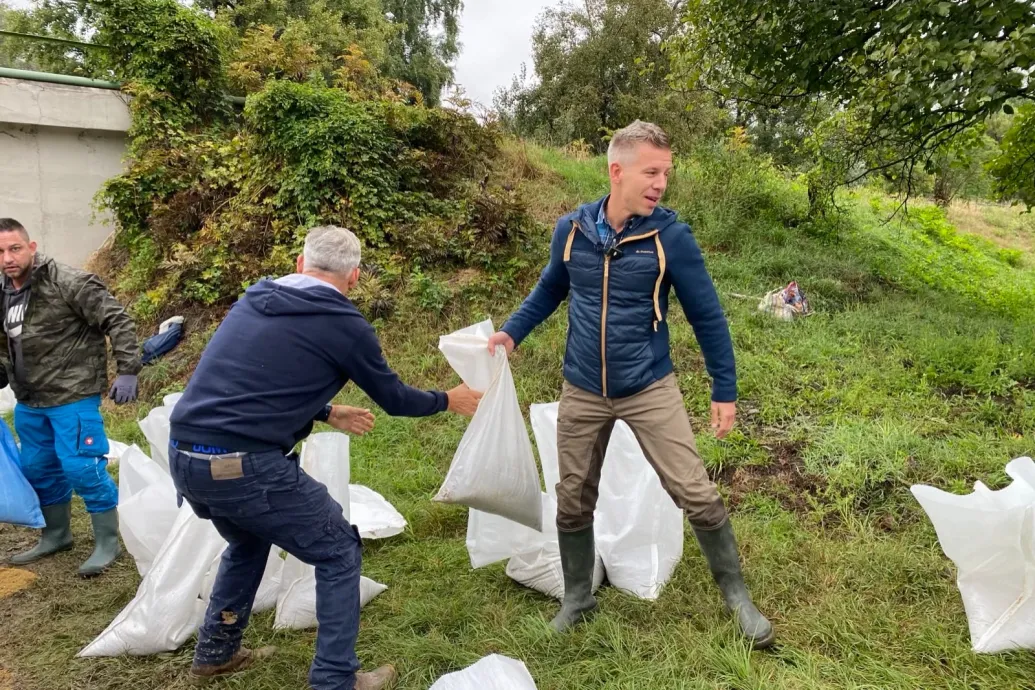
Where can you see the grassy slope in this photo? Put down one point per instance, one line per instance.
(908, 373)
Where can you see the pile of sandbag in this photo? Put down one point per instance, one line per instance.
(638, 528)
(178, 553)
(990, 536)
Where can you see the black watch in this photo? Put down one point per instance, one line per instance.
(324, 414)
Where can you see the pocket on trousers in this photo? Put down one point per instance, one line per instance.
(91, 440)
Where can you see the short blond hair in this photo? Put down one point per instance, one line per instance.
(639, 132)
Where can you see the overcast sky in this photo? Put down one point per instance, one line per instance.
(496, 38)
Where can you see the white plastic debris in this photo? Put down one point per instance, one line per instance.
(494, 672)
(990, 536)
(493, 470)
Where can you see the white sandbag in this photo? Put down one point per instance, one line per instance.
(116, 449)
(166, 610)
(492, 538)
(147, 507)
(544, 426)
(156, 430)
(373, 516)
(7, 400)
(171, 399)
(269, 589)
(494, 672)
(638, 527)
(539, 565)
(493, 470)
(990, 536)
(325, 458)
(299, 611)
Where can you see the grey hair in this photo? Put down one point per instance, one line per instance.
(331, 249)
(639, 132)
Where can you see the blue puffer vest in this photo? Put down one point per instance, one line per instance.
(618, 336)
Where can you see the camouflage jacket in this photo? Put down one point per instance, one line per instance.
(63, 338)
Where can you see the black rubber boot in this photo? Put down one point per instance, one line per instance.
(106, 543)
(56, 537)
(578, 556)
(720, 549)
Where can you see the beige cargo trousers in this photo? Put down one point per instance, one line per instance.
(659, 421)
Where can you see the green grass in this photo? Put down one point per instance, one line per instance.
(907, 373)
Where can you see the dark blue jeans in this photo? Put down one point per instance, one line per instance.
(269, 500)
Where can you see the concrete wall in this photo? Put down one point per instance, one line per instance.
(58, 145)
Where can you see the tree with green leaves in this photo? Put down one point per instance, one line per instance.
(914, 74)
(426, 43)
(598, 66)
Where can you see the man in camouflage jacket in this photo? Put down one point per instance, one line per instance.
(54, 357)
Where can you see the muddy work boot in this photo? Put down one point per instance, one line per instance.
(57, 535)
(720, 549)
(378, 679)
(106, 543)
(578, 556)
(245, 658)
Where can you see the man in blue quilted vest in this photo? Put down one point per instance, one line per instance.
(616, 260)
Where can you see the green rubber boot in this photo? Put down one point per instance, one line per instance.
(106, 543)
(57, 535)
(720, 549)
(578, 556)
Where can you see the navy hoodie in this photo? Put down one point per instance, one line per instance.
(278, 358)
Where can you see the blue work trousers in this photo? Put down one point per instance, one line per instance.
(64, 449)
(263, 499)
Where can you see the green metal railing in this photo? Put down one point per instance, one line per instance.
(68, 79)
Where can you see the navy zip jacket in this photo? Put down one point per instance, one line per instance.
(618, 339)
(278, 358)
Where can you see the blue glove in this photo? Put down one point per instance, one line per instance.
(124, 389)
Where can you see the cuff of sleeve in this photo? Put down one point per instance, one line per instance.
(516, 334)
(724, 394)
(443, 401)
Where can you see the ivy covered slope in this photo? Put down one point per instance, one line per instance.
(216, 195)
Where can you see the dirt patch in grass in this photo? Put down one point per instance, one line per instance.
(14, 580)
(783, 478)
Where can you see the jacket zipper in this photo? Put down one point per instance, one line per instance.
(603, 308)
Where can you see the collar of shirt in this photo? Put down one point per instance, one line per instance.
(301, 281)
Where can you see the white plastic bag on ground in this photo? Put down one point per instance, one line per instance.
(638, 527)
(494, 672)
(147, 507)
(325, 457)
(493, 470)
(990, 536)
(375, 517)
(167, 608)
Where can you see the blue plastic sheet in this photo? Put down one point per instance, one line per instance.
(18, 502)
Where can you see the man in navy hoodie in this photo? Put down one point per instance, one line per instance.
(269, 372)
(616, 260)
